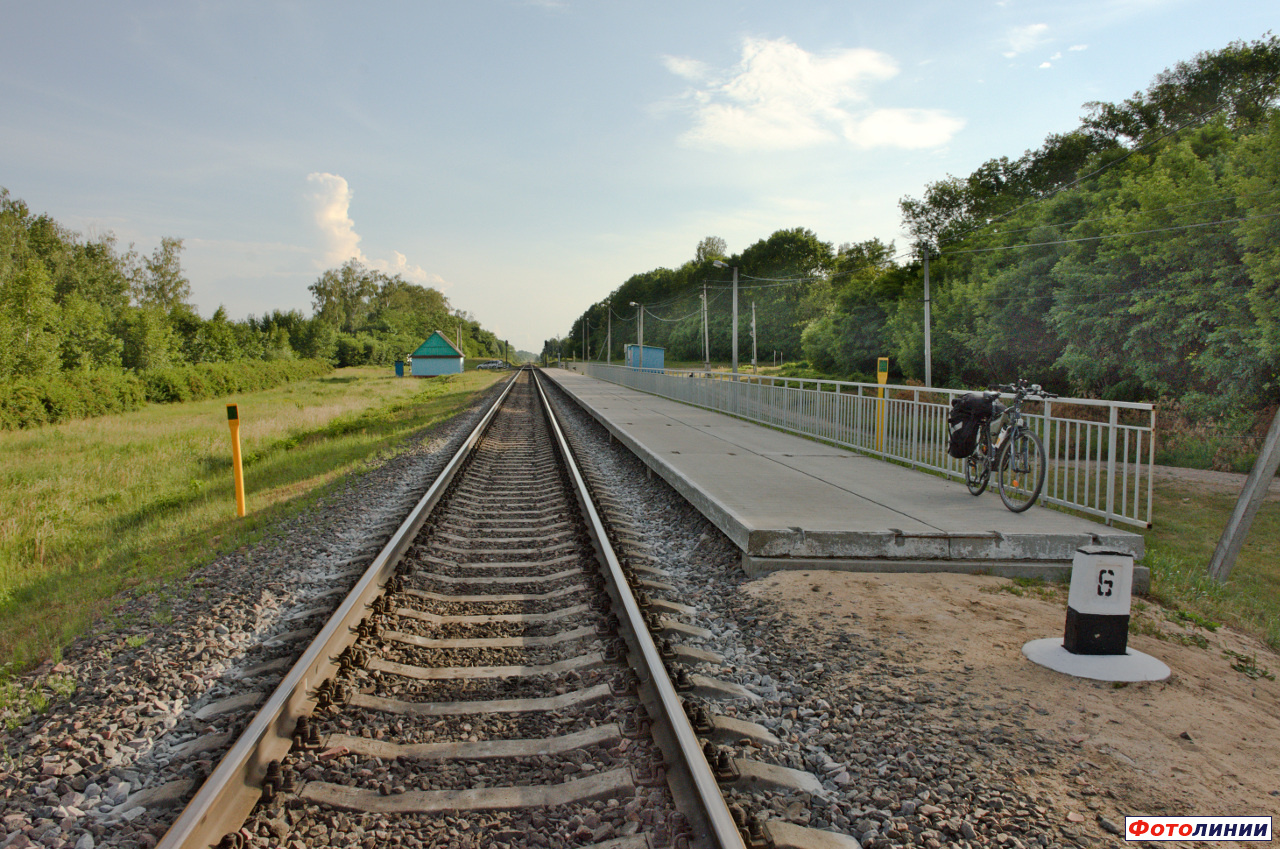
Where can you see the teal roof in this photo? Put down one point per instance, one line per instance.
(437, 345)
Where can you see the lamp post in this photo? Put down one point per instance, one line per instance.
(639, 334)
(718, 264)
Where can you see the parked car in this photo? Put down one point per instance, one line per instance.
(493, 364)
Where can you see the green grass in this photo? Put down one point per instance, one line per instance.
(1028, 588)
(1188, 524)
(92, 508)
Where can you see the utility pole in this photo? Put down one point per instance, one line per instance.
(718, 264)
(639, 334)
(608, 338)
(706, 335)
(753, 338)
(735, 319)
(928, 347)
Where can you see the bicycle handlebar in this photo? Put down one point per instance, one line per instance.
(1023, 389)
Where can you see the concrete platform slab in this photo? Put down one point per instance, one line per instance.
(790, 502)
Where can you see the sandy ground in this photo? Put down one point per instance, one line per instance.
(1205, 742)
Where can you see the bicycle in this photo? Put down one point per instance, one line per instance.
(1019, 460)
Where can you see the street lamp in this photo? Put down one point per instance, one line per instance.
(718, 264)
(639, 334)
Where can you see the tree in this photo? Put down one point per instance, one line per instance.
(1242, 80)
(29, 326)
(87, 341)
(712, 247)
(159, 282)
(149, 338)
(342, 296)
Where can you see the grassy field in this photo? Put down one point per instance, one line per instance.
(91, 508)
(1188, 524)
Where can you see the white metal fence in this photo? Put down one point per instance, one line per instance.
(1099, 453)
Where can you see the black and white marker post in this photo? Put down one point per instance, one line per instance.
(1096, 640)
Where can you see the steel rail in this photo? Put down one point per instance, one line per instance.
(724, 832)
(229, 794)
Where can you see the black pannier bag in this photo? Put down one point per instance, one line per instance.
(968, 413)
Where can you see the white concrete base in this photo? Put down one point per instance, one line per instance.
(1131, 666)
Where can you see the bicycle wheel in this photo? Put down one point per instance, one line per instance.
(1020, 471)
(977, 466)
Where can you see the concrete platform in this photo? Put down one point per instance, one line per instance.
(791, 503)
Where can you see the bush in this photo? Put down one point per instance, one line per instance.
(23, 405)
(78, 395)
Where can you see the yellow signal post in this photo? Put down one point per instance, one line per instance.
(882, 376)
(233, 419)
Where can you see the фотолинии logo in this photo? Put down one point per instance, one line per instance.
(1197, 828)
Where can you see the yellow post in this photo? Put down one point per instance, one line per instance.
(882, 376)
(233, 419)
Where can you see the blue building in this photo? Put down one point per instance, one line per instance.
(648, 358)
(435, 356)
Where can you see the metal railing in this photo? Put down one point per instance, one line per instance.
(1099, 453)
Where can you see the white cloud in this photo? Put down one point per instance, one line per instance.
(1078, 47)
(1024, 38)
(689, 69)
(331, 202)
(905, 128)
(1046, 64)
(782, 97)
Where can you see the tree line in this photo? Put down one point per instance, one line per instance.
(1136, 257)
(75, 305)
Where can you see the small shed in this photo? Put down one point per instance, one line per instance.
(435, 356)
(647, 357)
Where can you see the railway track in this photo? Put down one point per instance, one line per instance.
(500, 677)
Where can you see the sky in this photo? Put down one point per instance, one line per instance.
(526, 157)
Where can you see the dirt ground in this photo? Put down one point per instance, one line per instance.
(1220, 483)
(1205, 742)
